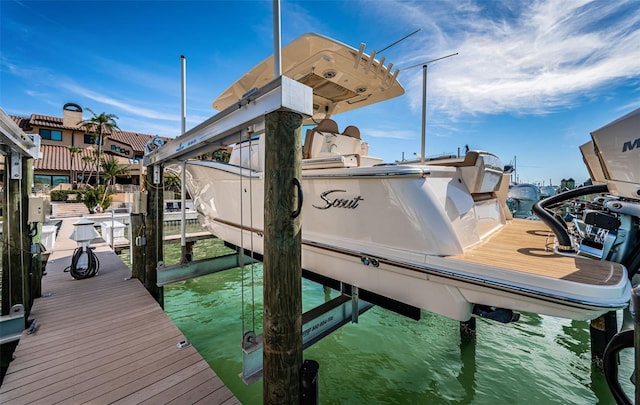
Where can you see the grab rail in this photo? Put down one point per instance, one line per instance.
(558, 228)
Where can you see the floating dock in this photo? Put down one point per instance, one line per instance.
(104, 340)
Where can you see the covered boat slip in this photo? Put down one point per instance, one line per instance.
(527, 246)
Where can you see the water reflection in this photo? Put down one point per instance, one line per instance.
(467, 376)
(389, 359)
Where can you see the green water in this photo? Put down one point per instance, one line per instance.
(389, 359)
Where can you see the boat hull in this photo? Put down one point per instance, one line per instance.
(393, 248)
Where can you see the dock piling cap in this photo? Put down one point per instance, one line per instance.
(83, 221)
(84, 231)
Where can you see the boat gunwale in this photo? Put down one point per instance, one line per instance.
(368, 171)
(433, 269)
(438, 270)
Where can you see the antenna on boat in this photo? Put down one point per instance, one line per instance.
(388, 78)
(183, 116)
(424, 98)
(183, 191)
(400, 40)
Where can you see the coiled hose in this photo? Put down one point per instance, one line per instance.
(93, 264)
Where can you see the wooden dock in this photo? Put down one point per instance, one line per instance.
(104, 340)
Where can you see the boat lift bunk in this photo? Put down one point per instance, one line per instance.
(241, 121)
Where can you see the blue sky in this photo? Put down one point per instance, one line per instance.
(531, 79)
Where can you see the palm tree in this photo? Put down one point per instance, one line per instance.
(96, 198)
(86, 160)
(172, 183)
(73, 150)
(99, 126)
(111, 168)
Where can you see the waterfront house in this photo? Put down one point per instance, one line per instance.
(67, 149)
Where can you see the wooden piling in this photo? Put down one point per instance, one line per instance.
(16, 256)
(601, 331)
(154, 222)
(282, 269)
(468, 329)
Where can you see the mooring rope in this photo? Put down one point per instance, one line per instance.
(20, 213)
(7, 238)
(241, 252)
(253, 301)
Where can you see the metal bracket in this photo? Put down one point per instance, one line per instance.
(317, 323)
(12, 325)
(156, 174)
(186, 271)
(16, 166)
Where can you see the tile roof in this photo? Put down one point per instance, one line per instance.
(22, 122)
(136, 140)
(58, 158)
(47, 121)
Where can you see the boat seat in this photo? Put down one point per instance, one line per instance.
(468, 160)
(325, 141)
(352, 131)
(326, 125)
(330, 162)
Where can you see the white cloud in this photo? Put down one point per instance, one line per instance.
(101, 98)
(393, 133)
(530, 58)
(141, 77)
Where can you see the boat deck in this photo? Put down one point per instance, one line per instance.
(527, 246)
(104, 340)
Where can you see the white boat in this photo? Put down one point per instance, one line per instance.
(432, 236)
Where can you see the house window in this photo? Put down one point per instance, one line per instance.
(88, 140)
(55, 180)
(43, 179)
(51, 134)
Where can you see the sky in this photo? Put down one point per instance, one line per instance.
(531, 81)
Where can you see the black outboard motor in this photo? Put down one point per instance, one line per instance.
(501, 315)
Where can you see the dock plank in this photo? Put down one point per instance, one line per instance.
(175, 391)
(104, 340)
(104, 362)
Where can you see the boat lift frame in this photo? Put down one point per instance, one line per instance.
(317, 324)
(238, 122)
(233, 124)
(14, 141)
